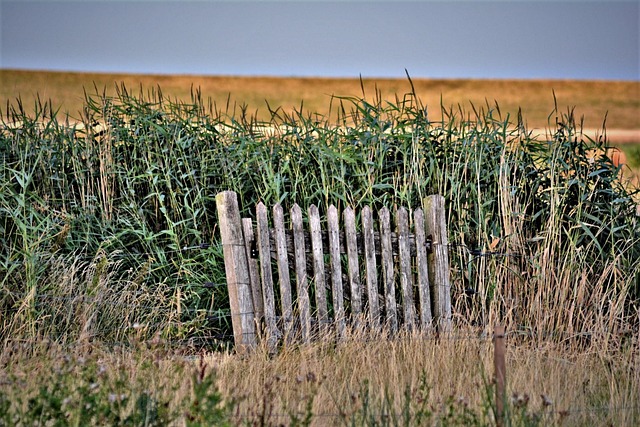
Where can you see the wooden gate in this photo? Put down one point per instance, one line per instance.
(319, 287)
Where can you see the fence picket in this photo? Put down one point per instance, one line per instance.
(370, 266)
(352, 261)
(438, 260)
(283, 267)
(386, 250)
(254, 272)
(422, 269)
(302, 283)
(237, 270)
(264, 251)
(333, 227)
(406, 276)
(318, 264)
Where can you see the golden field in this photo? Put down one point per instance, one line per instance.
(593, 100)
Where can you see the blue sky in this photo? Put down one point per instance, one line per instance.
(578, 39)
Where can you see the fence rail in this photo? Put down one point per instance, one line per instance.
(404, 280)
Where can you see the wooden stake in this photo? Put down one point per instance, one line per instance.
(404, 261)
(500, 372)
(318, 265)
(237, 271)
(283, 267)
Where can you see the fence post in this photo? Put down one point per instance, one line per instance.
(237, 270)
(318, 266)
(500, 372)
(283, 268)
(438, 260)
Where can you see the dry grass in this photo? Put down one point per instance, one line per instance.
(451, 374)
(365, 380)
(592, 99)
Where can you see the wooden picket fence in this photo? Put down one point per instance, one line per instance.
(324, 267)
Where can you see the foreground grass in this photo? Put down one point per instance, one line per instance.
(364, 380)
(421, 380)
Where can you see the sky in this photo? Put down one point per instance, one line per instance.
(575, 39)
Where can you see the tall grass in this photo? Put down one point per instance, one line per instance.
(111, 209)
(109, 244)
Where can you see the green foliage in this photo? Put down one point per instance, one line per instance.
(84, 390)
(414, 407)
(632, 152)
(99, 214)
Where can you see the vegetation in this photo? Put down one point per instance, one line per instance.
(618, 100)
(108, 244)
(407, 380)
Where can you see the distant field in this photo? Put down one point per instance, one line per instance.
(619, 101)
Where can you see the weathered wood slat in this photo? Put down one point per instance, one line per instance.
(237, 270)
(333, 226)
(302, 285)
(352, 261)
(264, 251)
(438, 260)
(422, 269)
(404, 260)
(254, 271)
(318, 264)
(370, 266)
(388, 269)
(283, 267)
(410, 261)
